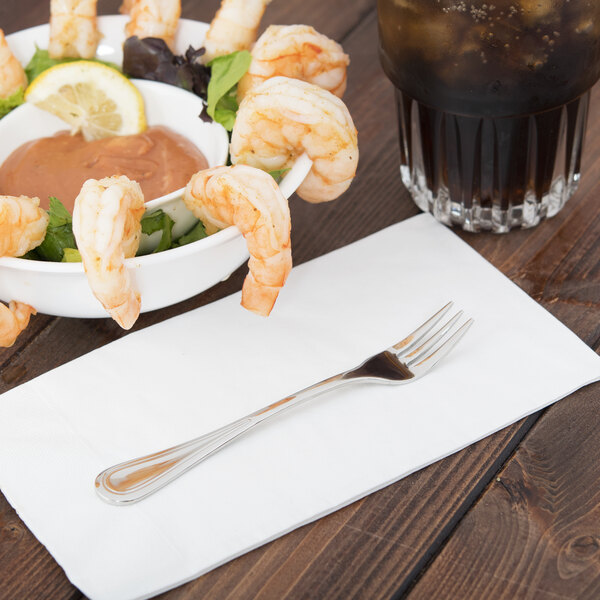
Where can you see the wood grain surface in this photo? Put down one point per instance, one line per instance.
(513, 516)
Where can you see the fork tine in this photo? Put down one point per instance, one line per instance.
(434, 357)
(415, 354)
(418, 334)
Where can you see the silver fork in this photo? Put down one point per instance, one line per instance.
(403, 362)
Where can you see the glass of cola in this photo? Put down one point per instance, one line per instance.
(492, 102)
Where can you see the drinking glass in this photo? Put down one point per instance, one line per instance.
(492, 102)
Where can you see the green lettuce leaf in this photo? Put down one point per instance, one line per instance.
(71, 255)
(197, 232)
(278, 175)
(41, 61)
(59, 234)
(158, 220)
(56, 240)
(226, 71)
(161, 221)
(58, 214)
(14, 100)
(59, 244)
(226, 110)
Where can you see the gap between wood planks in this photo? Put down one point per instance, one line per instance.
(365, 15)
(470, 501)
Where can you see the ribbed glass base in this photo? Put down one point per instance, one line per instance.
(487, 174)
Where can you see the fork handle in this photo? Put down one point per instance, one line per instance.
(133, 480)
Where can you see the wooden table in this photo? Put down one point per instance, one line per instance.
(516, 515)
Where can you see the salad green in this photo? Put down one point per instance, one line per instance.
(71, 255)
(216, 82)
(59, 245)
(59, 234)
(14, 100)
(226, 71)
(278, 175)
(158, 220)
(41, 61)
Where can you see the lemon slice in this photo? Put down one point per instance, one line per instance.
(92, 98)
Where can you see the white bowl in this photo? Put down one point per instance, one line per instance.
(164, 278)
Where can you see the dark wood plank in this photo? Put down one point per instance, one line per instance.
(535, 533)
(20, 15)
(27, 570)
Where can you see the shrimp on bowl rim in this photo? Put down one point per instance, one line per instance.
(152, 18)
(300, 52)
(281, 119)
(22, 225)
(22, 228)
(12, 74)
(73, 29)
(107, 229)
(251, 200)
(234, 27)
(14, 319)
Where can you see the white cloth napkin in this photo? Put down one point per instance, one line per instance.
(200, 370)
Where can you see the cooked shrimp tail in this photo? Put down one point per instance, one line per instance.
(153, 18)
(251, 200)
(300, 52)
(73, 30)
(282, 118)
(14, 319)
(22, 228)
(125, 8)
(22, 225)
(12, 75)
(106, 225)
(234, 27)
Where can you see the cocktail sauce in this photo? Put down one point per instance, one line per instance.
(159, 159)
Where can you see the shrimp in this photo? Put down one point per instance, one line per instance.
(106, 225)
(22, 228)
(22, 225)
(126, 7)
(153, 18)
(300, 52)
(251, 200)
(282, 118)
(234, 27)
(73, 31)
(12, 75)
(14, 319)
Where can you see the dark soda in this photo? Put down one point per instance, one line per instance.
(492, 103)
